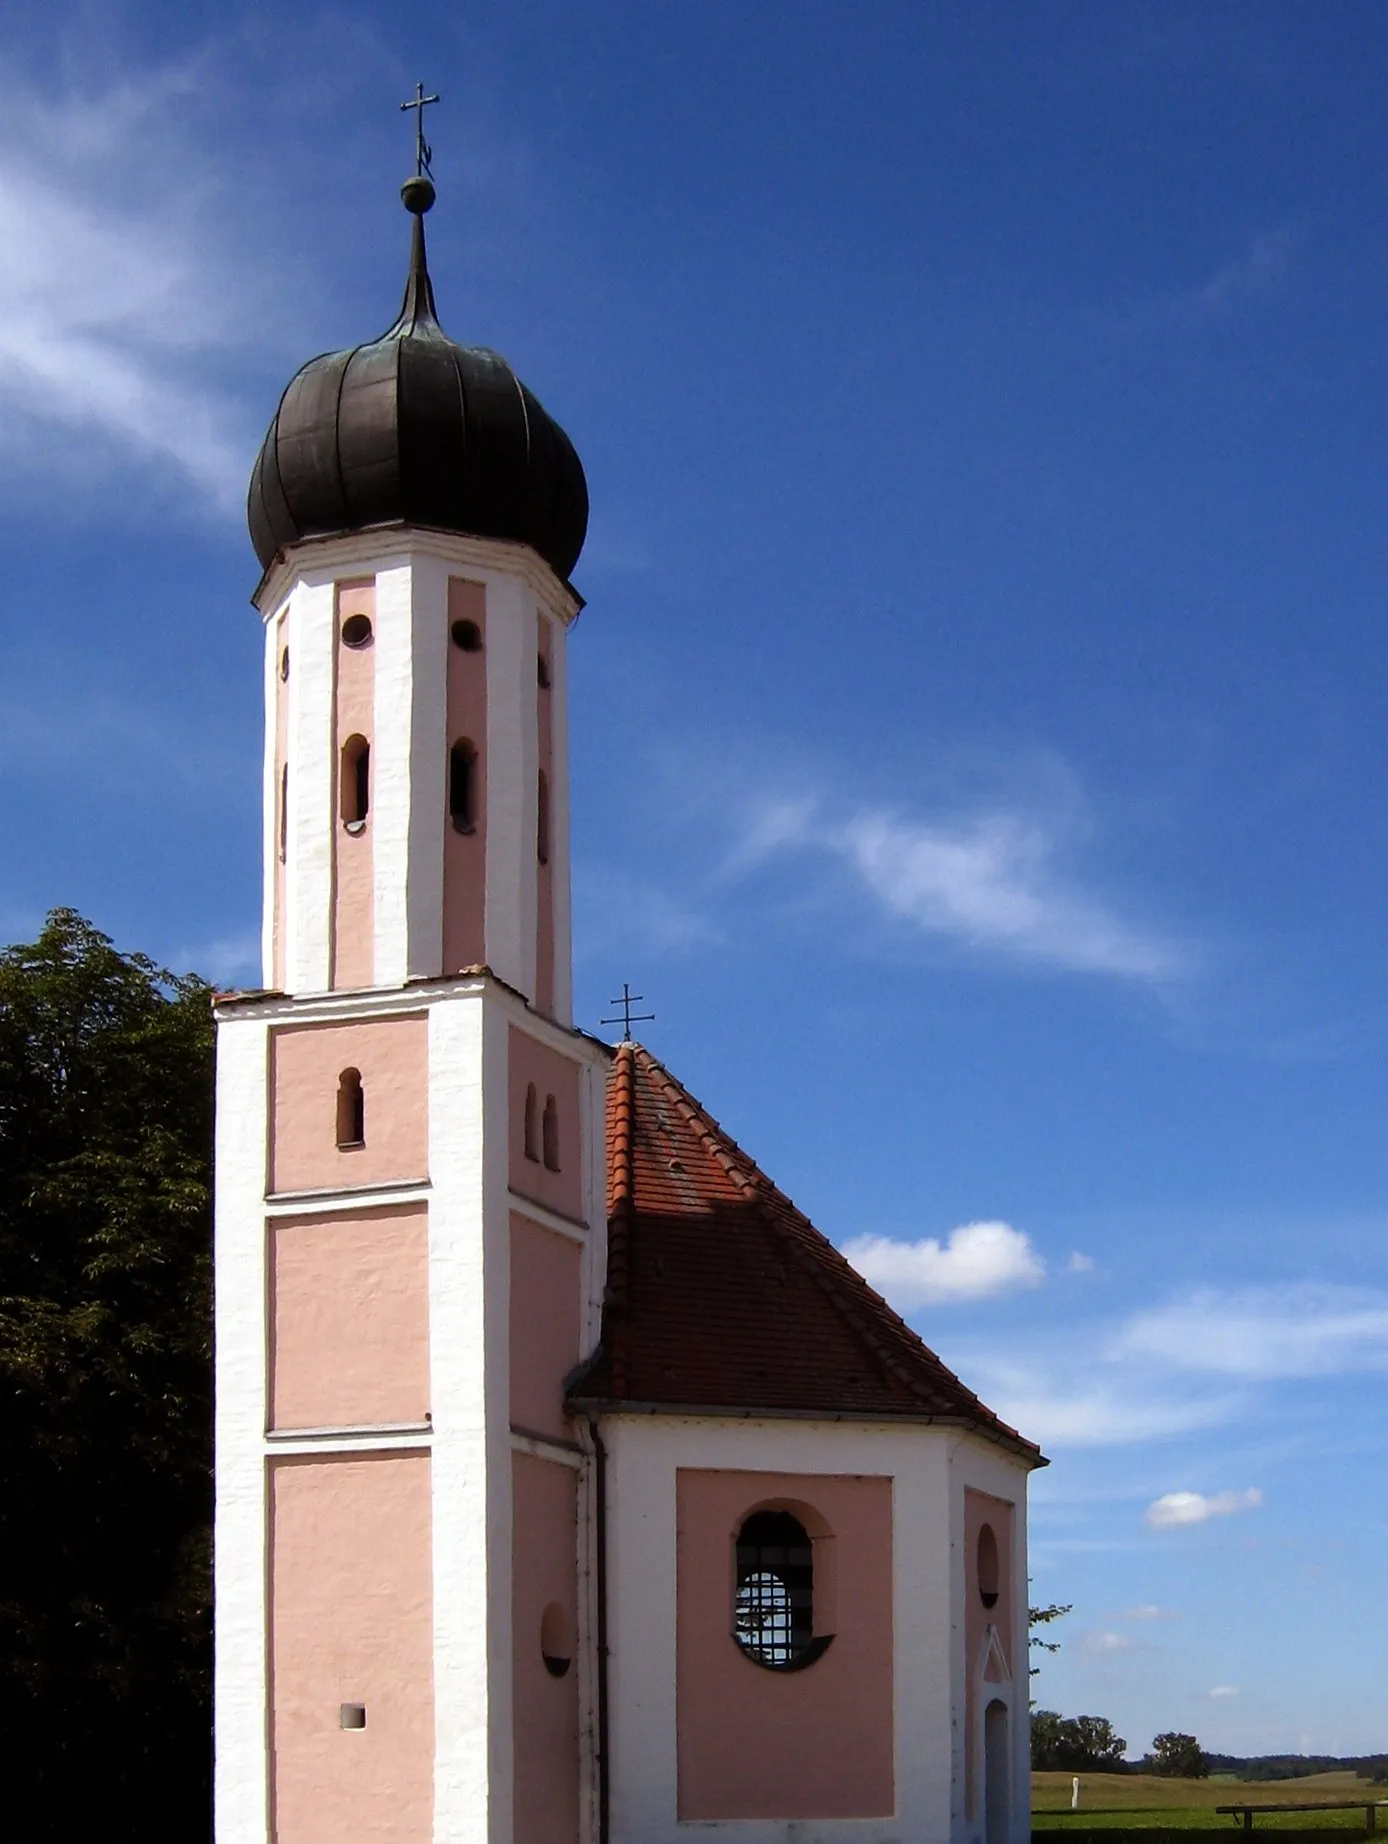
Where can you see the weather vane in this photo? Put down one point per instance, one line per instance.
(423, 153)
(628, 1017)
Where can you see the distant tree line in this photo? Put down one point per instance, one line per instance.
(1090, 1744)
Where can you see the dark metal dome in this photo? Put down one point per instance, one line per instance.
(413, 429)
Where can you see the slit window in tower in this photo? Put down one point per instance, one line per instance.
(462, 786)
(284, 813)
(550, 1134)
(356, 783)
(542, 672)
(542, 818)
(351, 1110)
(532, 1124)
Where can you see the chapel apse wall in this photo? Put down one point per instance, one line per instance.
(797, 1744)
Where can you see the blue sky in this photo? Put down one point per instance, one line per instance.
(978, 738)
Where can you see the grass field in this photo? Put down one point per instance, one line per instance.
(1114, 1803)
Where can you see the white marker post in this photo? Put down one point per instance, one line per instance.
(1075, 1794)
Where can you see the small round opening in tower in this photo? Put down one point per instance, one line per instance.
(466, 636)
(356, 631)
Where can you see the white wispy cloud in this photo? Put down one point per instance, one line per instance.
(998, 879)
(1176, 1509)
(1079, 1264)
(1149, 1611)
(977, 1261)
(1304, 1330)
(1219, 1691)
(115, 288)
(1255, 268)
(1117, 1411)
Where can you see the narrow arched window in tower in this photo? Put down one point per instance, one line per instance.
(351, 1110)
(355, 789)
(532, 1124)
(773, 1605)
(550, 1134)
(462, 786)
(542, 818)
(542, 678)
(284, 813)
(987, 1561)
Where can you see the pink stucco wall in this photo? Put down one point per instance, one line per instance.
(305, 1064)
(351, 1621)
(981, 1508)
(544, 872)
(354, 932)
(552, 1074)
(278, 845)
(811, 1744)
(545, 1708)
(546, 1282)
(350, 1319)
(464, 854)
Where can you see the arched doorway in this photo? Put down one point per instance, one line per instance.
(997, 1774)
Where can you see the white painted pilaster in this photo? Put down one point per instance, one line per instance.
(309, 883)
(469, 1365)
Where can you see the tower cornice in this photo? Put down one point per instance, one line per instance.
(384, 545)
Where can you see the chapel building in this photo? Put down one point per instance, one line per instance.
(571, 1487)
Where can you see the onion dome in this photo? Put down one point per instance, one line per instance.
(415, 430)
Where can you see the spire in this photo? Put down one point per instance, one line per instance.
(417, 310)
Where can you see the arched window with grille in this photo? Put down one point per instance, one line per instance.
(773, 1604)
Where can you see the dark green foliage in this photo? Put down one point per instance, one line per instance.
(1043, 1616)
(1298, 1766)
(1178, 1756)
(105, 1392)
(1075, 1744)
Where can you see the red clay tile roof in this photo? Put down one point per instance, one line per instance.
(722, 1296)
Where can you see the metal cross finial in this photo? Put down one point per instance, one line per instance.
(628, 1017)
(423, 153)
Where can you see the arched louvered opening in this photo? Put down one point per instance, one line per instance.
(542, 818)
(462, 786)
(355, 789)
(987, 1565)
(351, 1110)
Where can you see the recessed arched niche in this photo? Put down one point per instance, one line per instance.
(988, 1570)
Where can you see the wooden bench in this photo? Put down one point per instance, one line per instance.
(1369, 1807)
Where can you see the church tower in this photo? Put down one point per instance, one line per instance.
(410, 1244)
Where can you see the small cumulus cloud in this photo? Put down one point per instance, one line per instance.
(1149, 1611)
(1079, 1264)
(1104, 1645)
(1176, 1509)
(977, 1261)
(1222, 1690)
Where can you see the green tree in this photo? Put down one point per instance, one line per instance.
(105, 1391)
(1076, 1744)
(1179, 1756)
(1043, 1616)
